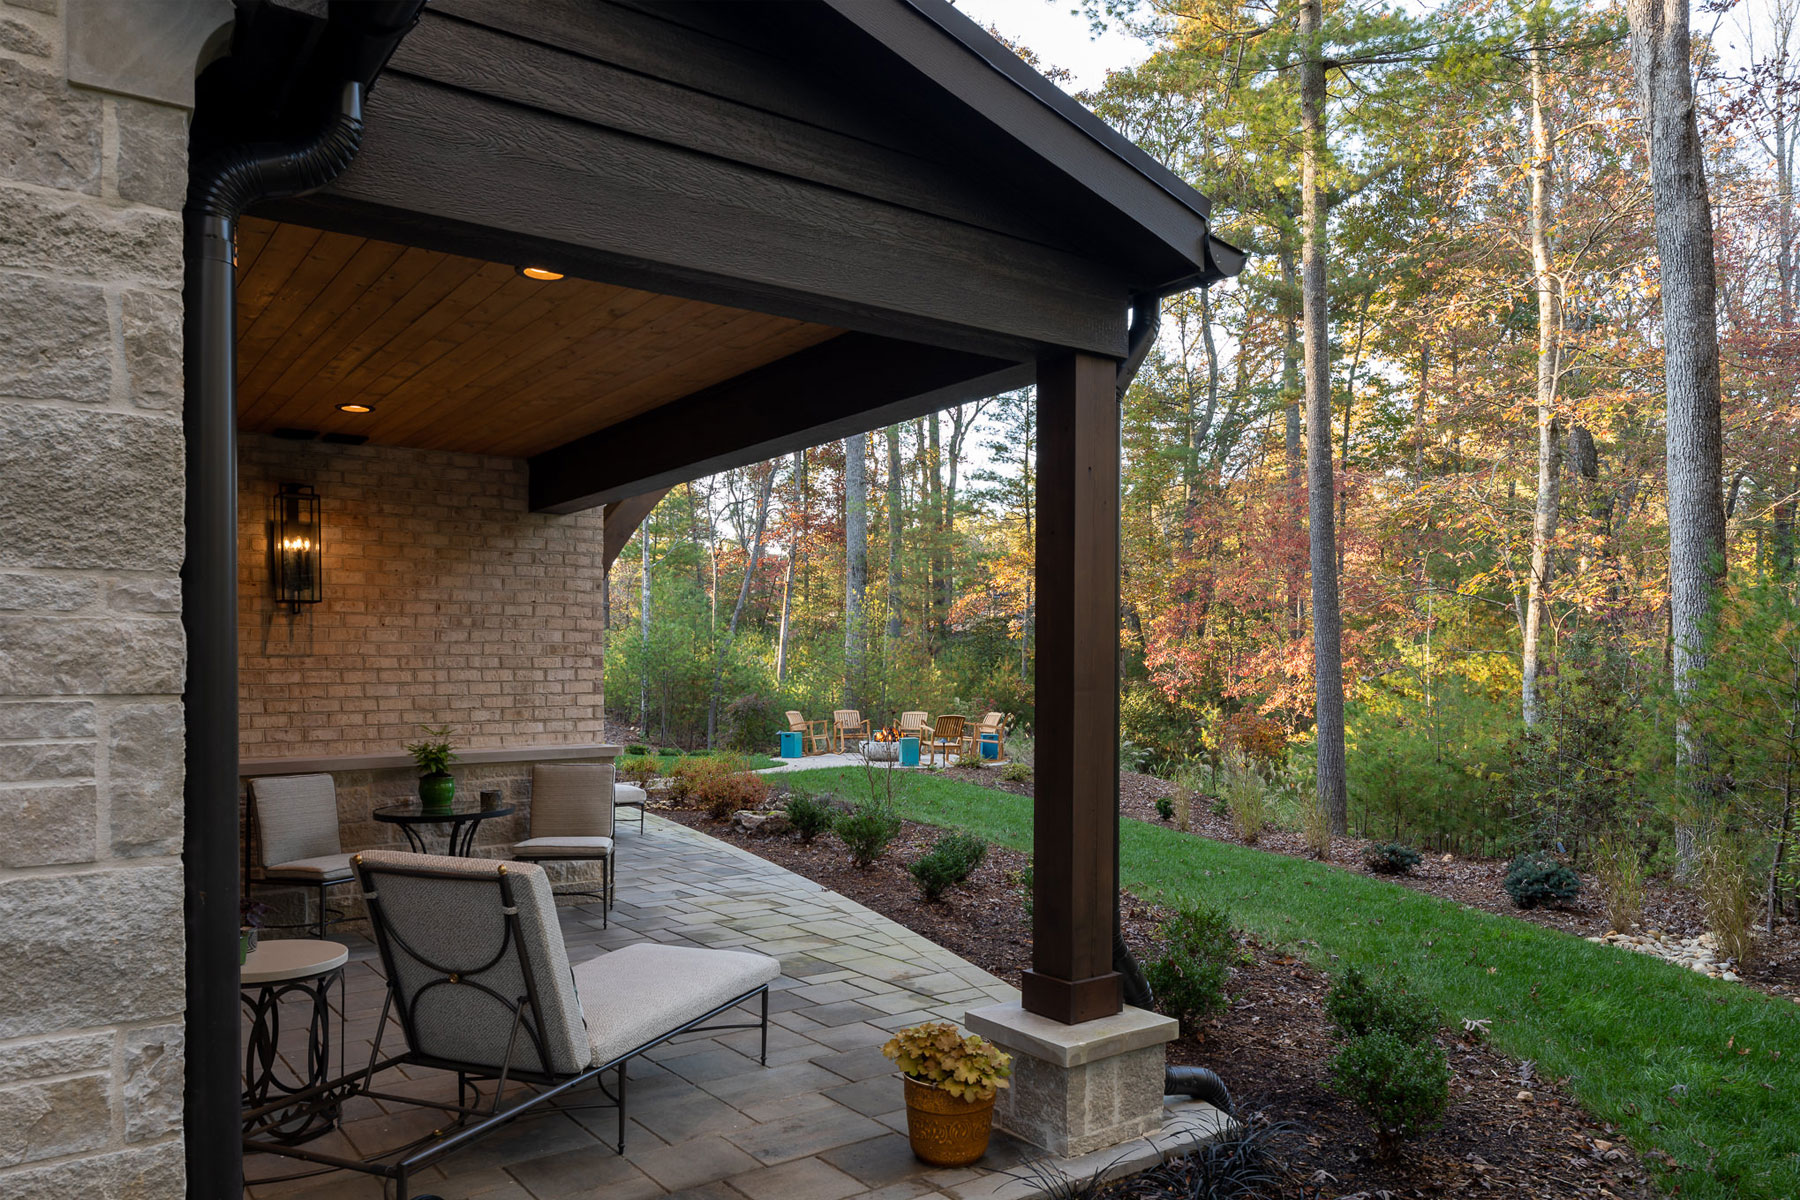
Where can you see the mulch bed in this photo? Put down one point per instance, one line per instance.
(1506, 1132)
(1475, 882)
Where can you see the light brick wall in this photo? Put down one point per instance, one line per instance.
(445, 602)
(91, 646)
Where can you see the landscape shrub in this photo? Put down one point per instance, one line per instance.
(1016, 772)
(1189, 976)
(810, 815)
(1619, 871)
(1360, 1004)
(1390, 858)
(1728, 887)
(1242, 1162)
(1536, 878)
(718, 784)
(1246, 797)
(951, 859)
(1254, 738)
(1024, 880)
(1402, 1086)
(1165, 808)
(639, 769)
(670, 751)
(637, 748)
(1315, 826)
(867, 829)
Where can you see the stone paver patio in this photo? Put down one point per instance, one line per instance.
(823, 1121)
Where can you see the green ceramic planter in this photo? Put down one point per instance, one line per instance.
(437, 792)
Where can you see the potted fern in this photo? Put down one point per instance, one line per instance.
(433, 755)
(951, 1081)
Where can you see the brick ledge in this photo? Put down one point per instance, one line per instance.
(383, 762)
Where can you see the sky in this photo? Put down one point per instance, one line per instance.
(1057, 31)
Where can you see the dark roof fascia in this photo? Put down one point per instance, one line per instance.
(1163, 204)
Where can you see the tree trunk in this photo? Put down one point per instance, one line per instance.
(644, 629)
(1328, 665)
(737, 610)
(934, 504)
(1290, 368)
(893, 524)
(787, 588)
(1660, 50)
(1549, 427)
(856, 565)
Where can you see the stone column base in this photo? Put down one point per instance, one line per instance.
(1078, 1088)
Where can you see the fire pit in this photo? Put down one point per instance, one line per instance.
(888, 745)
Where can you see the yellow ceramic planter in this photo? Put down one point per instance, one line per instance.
(946, 1131)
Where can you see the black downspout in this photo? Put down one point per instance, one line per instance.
(221, 184)
(1146, 319)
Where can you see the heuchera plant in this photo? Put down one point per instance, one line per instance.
(969, 1068)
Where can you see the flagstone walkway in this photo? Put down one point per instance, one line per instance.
(823, 1121)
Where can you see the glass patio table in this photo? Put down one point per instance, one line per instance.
(464, 818)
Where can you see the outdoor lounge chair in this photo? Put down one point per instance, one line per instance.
(946, 736)
(993, 725)
(629, 795)
(480, 986)
(915, 724)
(293, 838)
(847, 725)
(816, 734)
(572, 808)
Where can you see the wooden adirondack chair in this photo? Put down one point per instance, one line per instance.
(815, 735)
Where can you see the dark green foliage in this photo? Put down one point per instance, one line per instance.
(1189, 976)
(810, 815)
(637, 748)
(1242, 1163)
(751, 723)
(1536, 878)
(952, 859)
(1165, 808)
(867, 829)
(669, 751)
(1360, 1004)
(1402, 1086)
(1390, 858)
(1025, 879)
(1016, 772)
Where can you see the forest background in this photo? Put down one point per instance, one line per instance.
(1495, 368)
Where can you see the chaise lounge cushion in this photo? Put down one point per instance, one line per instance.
(563, 847)
(640, 992)
(453, 920)
(326, 868)
(628, 795)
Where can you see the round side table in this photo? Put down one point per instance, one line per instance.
(463, 817)
(272, 972)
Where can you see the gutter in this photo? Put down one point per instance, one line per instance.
(223, 181)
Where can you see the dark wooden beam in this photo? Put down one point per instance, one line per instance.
(1076, 763)
(622, 519)
(470, 173)
(853, 383)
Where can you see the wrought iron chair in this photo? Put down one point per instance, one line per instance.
(480, 985)
(572, 809)
(292, 840)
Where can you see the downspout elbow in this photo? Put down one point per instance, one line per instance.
(235, 177)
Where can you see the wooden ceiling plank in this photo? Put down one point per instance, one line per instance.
(364, 270)
(314, 273)
(286, 246)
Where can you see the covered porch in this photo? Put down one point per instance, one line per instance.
(516, 271)
(823, 1121)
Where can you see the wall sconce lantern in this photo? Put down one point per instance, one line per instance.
(296, 540)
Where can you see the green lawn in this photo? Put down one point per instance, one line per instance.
(752, 762)
(1705, 1070)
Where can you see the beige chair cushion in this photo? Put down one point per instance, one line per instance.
(572, 800)
(642, 991)
(628, 795)
(296, 817)
(456, 924)
(327, 868)
(567, 847)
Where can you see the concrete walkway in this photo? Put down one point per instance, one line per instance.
(818, 762)
(824, 1120)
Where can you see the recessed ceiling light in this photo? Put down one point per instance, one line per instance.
(356, 408)
(543, 273)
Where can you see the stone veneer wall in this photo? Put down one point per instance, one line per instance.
(446, 602)
(91, 646)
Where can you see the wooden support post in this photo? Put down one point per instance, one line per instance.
(1076, 771)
